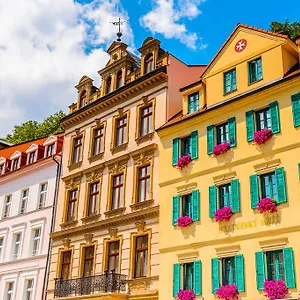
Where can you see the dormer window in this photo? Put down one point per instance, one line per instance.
(108, 85)
(50, 150)
(31, 157)
(119, 79)
(15, 164)
(82, 99)
(2, 167)
(148, 63)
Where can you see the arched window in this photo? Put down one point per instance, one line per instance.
(108, 85)
(148, 63)
(82, 99)
(119, 79)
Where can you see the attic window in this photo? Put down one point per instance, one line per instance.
(119, 79)
(50, 149)
(2, 166)
(82, 99)
(15, 164)
(31, 157)
(148, 63)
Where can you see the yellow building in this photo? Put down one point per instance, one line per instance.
(240, 125)
(105, 242)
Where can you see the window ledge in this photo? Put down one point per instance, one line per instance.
(119, 148)
(68, 223)
(147, 137)
(139, 205)
(91, 218)
(74, 166)
(115, 211)
(95, 157)
(250, 83)
(230, 92)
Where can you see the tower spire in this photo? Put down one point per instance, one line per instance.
(119, 33)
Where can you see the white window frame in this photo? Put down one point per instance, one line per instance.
(40, 194)
(34, 158)
(12, 292)
(21, 202)
(36, 252)
(26, 289)
(5, 205)
(37, 224)
(2, 247)
(3, 234)
(18, 228)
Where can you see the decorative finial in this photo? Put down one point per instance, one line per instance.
(118, 23)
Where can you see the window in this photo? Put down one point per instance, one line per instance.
(148, 63)
(1, 246)
(113, 256)
(72, 203)
(108, 85)
(24, 201)
(225, 196)
(222, 132)
(36, 241)
(186, 146)
(65, 271)
(10, 291)
(93, 201)
(263, 119)
(88, 264)
(275, 266)
(98, 141)
(228, 270)
(50, 150)
(31, 157)
(230, 81)
(29, 289)
(7, 205)
(121, 131)
(188, 276)
(2, 169)
(77, 150)
(82, 99)
(117, 191)
(193, 102)
(141, 256)
(15, 164)
(119, 79)
(186, 205)
(146, 120)
(255, 70)
(143, 183)
(268, 186)
(17, 245)
(43, 195)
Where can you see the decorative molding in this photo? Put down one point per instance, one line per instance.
(274, 244)
(228, 251)
(94, 175)
(73, 182)
(224, 178)
(145, 99)
(88, 238)
(139, 284)
(140, 225)
(118, 165)
(142, 204)
(98, 122)
(66, 243)
(188, 257)
(77, 132)
(187, 188)
(113, 232)
(144, 155)
(268, 166)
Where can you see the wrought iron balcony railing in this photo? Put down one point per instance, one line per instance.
(109, 282)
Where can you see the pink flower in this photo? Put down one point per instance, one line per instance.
(186, 295)
(223, 214)
(267, 205)
(183, 161)
(184, 221)
(275, 289)
(221, 148)
(228, 292)
(261, 136)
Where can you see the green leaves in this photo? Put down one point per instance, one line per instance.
(288, 28)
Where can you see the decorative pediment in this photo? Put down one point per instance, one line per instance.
(32, 148)
(73, 182)
(16, 154)
(113, 232)
(144, 155)
(88, 238)
(140, 225)
(84, 81)
(94, 175)
(2, 160)
(50, 140)
(116, 166)
(66, 243)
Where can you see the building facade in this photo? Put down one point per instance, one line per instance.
(27, 186)
(228, 209)
(105, 244)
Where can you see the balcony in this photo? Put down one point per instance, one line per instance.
(109, 282)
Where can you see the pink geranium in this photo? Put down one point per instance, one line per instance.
(275, 289)
(186, 295)
(221, 148)
(261, 136)
(228, 292)
(267, 205)
(183, 161)
(223, 214)
(184, 221)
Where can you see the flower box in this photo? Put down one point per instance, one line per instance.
(183, 161)
(275, 289)
(186, 295)
(184, 221)
(221, 149)
(267, 205)
(228, 292)
(261, 136)
(223, 214)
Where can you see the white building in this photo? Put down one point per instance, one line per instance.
(28, 183)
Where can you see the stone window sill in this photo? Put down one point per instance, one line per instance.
(96, 157)
(115, 211)
(119, 148)
(91, 218)
(140, 205)
(69, 223)
(74, 166)
(144, 138)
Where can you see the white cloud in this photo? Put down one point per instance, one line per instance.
(43, 53)
(166, 18)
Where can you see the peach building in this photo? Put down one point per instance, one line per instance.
(28, 180)
(105, 244)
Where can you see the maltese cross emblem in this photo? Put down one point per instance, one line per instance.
(240, 45)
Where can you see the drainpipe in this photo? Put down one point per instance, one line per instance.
(48, 261)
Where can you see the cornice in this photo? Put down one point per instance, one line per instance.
(108, 223)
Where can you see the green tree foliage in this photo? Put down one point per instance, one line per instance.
(31, 130)
(288, 28)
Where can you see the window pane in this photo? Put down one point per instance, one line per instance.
(186, 202)
(222, 133)
(225, 196)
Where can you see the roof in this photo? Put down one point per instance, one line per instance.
(2, 142)
(137, 60)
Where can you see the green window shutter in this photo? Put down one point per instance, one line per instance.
(224, 83)
(254, 191)
(175, 151)
(260, 270)
(250, 125)
(235, 193)
(281, 186)
(176, 279)
(196, 205)
(299, 169)
(215, 274)
(239, 271)
(232, 131)
(197, 278)
(275, 120)
(212, 201)
(289, 270)
(210, 139)
(176, 209)
(296, 109)
(194, 138)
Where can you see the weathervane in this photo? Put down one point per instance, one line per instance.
(119, 23)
